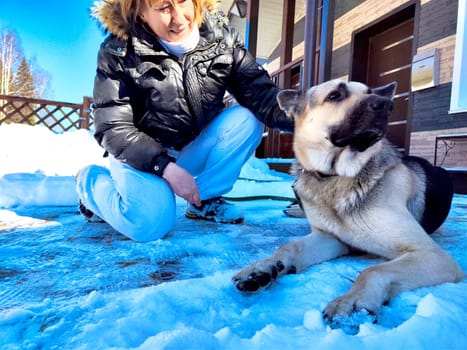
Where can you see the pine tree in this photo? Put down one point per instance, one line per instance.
(23, 82)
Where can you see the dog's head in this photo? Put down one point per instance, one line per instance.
(338, 125)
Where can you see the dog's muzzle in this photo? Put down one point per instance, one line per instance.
(364, 126)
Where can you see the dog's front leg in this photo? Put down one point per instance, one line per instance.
(378, 284)
(293, 257)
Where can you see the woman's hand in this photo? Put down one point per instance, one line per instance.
(182, 183)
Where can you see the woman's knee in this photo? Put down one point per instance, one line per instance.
(147, 225)
(144, 213)
(246, 124)
(144, 208)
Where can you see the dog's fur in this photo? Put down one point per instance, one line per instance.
(358, 192)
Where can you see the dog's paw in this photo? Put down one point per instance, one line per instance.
(260, 275)
(348, 312)
(350, 324)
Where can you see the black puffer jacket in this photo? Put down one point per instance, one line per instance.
(147, 100)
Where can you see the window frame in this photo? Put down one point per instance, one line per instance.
(459, 76)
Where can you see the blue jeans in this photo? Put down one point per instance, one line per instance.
(142, 206)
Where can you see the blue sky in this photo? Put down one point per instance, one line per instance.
(62, 38)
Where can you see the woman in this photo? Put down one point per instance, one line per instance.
(159, 113)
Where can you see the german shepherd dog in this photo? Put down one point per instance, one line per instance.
(359, 193)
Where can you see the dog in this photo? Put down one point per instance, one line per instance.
(359, 193)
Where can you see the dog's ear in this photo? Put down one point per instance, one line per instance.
(387, 91)
(291, 102)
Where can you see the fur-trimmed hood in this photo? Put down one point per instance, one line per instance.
(109, 15)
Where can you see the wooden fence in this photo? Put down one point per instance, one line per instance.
(57, 116)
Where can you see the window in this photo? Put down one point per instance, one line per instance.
(459, 79)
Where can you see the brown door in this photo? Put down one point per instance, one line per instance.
(389, 59)
(278, 144)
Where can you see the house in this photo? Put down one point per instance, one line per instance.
(420, 44)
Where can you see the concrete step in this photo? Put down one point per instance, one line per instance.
(459, 179)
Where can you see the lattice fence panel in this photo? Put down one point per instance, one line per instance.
(57, 116)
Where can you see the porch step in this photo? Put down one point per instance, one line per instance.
(459, 179)
(282, 166)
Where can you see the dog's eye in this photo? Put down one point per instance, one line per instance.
(334, 96)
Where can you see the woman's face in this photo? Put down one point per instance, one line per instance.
(171, 21)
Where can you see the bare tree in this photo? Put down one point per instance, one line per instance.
(10, 58)
(41, 79)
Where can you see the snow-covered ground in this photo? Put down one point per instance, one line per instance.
(68, 284)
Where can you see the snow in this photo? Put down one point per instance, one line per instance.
(68, 284)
